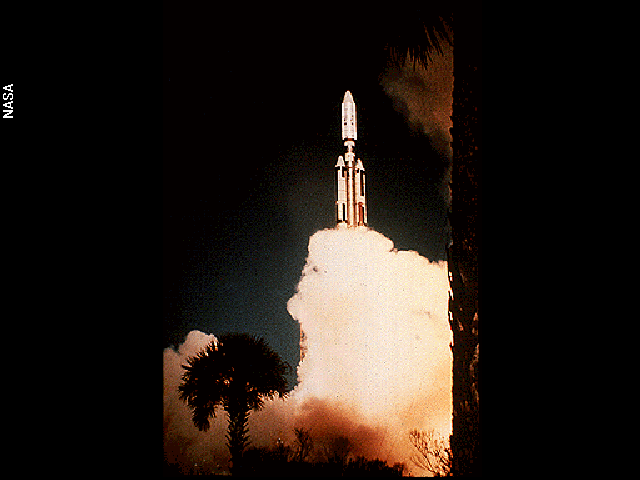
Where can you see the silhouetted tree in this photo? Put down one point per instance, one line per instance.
(304, 443)
(464, 252)
(433, 455)
(237, 374)
(283, 461)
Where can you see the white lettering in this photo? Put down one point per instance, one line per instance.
(8, 113)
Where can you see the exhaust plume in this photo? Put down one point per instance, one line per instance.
(377, 362)
(377, 335)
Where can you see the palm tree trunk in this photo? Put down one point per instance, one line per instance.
(237, 438)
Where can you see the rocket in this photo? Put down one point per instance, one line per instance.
(351, 203)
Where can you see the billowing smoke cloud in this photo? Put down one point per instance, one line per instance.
(377, 360)
(377, 335)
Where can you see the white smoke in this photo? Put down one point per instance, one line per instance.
(377, 333)
(378, 362)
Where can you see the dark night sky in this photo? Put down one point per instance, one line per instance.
(251, 133)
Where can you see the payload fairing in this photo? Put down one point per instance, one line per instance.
(351, 204)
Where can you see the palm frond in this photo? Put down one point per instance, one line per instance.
(202, 385)
(419, 36)
(237, 374)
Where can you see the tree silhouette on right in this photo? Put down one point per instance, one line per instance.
(463, 251)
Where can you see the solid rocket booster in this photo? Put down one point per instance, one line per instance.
(351, 203)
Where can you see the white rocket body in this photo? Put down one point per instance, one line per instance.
(351, 203)
(349, 119)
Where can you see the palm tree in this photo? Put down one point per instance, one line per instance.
(236, 373)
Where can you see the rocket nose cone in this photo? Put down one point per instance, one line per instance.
(347, 97)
